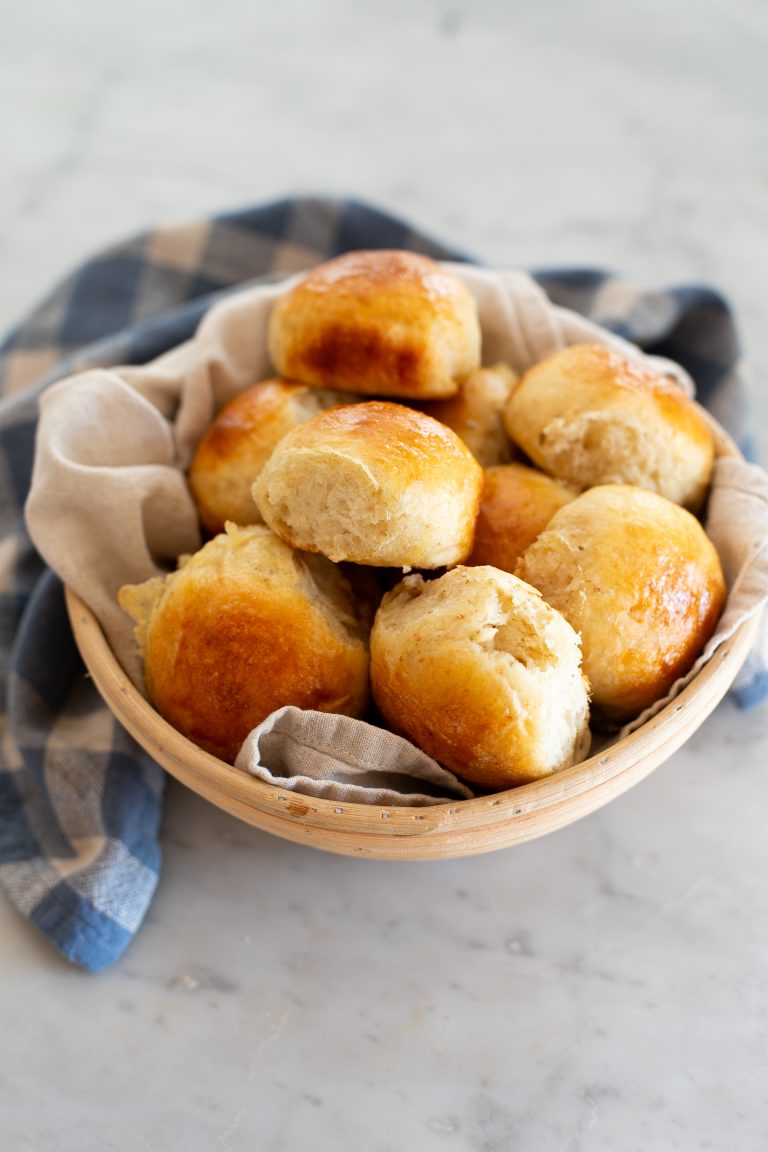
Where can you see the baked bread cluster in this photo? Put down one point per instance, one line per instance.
(497, 562)
(239, 442)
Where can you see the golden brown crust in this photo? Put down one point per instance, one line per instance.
(639, 580)
(395, 437)
(479, 672)
(384, 323)
(243, 628)
(238, 443)
(590, 416)
(476, 412)
(516, 505)
(374, 483)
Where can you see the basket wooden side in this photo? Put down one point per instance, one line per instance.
(463, 828)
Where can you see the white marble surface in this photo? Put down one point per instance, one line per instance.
(604, 988)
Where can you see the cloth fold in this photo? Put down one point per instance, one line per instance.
(80, 802)
(299, 751)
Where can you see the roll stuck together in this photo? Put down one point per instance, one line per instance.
(479, 667)
(238, 443)
(516, 505)
(476, 414)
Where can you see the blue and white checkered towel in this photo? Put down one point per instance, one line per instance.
(80, 802)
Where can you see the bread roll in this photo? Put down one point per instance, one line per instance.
(246, 626)
(641, 583)
(239, 442)
(478, 671)
(375, 483)
(516, 505)
(476, 414)
(382, 323)
(589, 416)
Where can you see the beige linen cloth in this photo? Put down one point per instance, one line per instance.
(109, 506)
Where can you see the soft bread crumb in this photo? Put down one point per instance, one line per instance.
(377, 484)
(481, 674)
(237, 445)
(590, 416)
(139, 601)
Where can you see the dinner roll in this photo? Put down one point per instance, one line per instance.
(375, 483)
(242, 628)
(588, 415)
(476, 413)
(639, 580)
(478, 671)
(239, 442)
(516, 505)
(383, 323)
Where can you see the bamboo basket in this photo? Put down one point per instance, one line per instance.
(460, 828)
